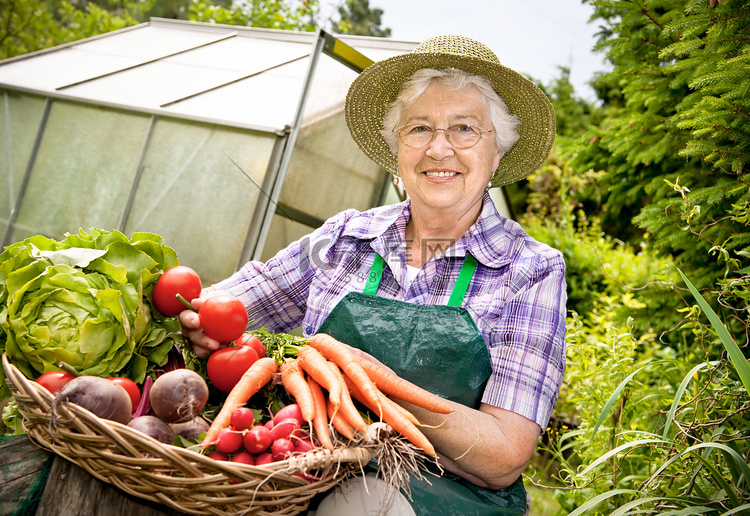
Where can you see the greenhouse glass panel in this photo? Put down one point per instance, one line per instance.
(87, 159)
(198, 189)
(282, 233)
(21, 115)
(328, 173)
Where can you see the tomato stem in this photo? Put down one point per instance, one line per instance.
(184, 301)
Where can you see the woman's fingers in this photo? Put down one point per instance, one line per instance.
(201, 343)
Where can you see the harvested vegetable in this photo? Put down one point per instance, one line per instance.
(178, 396)
(153, 427)
(53, 381)
(176, 281)
(99, 396)
(395, 386)
(226, 366)
(85, 301)
(338, 353)
(190, 429)
(255, 378)
(223, 317)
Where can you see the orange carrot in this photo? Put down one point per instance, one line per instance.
(397, 420)
(320, 421)
(338, 421)
(337, 352)
(395, 386)
(316, 366)
(348, 410)
(293, 380)
(259, 374)
(383, 399)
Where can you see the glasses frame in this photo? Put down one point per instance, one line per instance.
(434, 134)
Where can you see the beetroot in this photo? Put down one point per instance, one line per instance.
(99, 396)
(153, 427)
(178, 396)
(191, 429)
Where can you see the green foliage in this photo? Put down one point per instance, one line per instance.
(677, 112)
(357, 17)
(30, 25)
(268, 14)
(598, 265)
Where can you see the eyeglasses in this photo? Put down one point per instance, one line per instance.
(460, 136)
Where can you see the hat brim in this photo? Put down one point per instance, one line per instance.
(378, 85)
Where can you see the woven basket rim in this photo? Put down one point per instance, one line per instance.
(177, 477)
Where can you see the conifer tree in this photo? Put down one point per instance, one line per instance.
(675, 140)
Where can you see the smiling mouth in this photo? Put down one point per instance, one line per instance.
(440, 174)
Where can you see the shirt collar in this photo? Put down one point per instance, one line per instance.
(489, 239)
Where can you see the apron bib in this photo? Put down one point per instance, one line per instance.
(440, 349)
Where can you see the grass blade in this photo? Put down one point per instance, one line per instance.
(611, 401)
(735, 353)
(678, 396)
(590, 504)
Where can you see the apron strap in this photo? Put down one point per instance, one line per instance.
(462, 283)
(373, 279)
(459, 289)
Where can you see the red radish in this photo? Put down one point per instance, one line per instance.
(263, 458)
(303, 446)
(257, 439)
(242, 419)
(282, 448)
(269, 424)
(288, 411)
(217, 455)
(228, 441)
(284, 428)
(244, 457)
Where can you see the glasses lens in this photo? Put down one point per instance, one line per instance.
(460, 136)
(463, 135)
(416, 135)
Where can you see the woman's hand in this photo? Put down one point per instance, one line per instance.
(202, 344)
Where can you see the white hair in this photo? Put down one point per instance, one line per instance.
(504, 124)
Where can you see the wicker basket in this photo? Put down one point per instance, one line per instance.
(176, 477)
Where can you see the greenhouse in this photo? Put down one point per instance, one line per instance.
(229, 142)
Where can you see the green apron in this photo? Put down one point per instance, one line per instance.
(440, 349)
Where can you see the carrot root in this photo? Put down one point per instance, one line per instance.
(255, 378)
(338, 353)
(393, 385)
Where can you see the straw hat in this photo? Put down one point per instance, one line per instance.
(378, 85)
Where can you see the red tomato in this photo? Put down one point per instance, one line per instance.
(177, 280)
(129, 385)
(226, 366)
(223, 318)
(254, 342)
(53, 381)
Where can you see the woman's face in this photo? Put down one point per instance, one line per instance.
(439, 176)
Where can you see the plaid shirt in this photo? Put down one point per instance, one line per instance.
(516, 297)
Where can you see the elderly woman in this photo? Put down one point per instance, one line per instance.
(441, 288)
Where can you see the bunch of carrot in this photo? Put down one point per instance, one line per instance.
(325, 378)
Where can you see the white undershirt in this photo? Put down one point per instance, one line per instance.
(411, 273)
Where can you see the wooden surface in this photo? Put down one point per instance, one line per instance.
(21, 464)
(69, 490)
